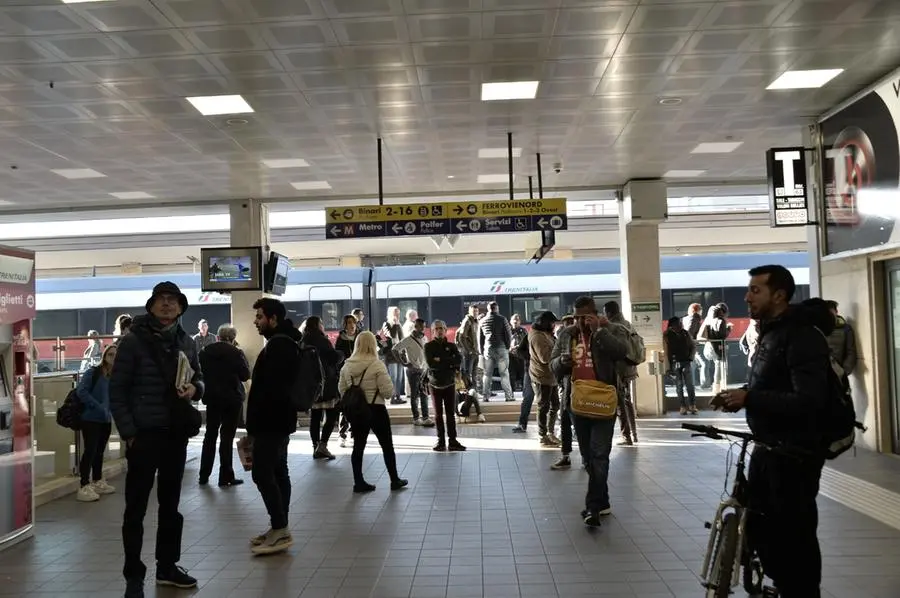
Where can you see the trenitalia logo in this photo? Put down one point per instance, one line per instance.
(499, 288)
(17, 270)
(213, 299)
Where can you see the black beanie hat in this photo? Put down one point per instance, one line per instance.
(168, 288)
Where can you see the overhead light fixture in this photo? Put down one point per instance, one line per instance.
(450, 176)
(499, 152)
(493, 178)
(286, 163)
(669, 101)
(79, 173)
(132, 195)
(311, 185)
(682, 174)
(218, 105)
(514, 90)
(84, 1)
(804, 79)
(724, 147)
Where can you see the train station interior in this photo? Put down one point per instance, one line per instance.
(431, 159)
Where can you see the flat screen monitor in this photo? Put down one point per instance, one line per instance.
(231, 269)
(277, 273)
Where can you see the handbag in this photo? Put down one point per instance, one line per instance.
(593, 399)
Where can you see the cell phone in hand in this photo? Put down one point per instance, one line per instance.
(718, 401)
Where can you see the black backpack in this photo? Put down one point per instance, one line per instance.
(840, 424)
(354, 404)
(309, 383)
(68, 415)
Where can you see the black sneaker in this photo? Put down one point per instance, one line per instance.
(519, 430)
(398, 484)
(440, 447)
(591, 519)
(363, 488)
(175, 577)
(204, 481)
(234, 482)
(134, 588)
(456, 446)
(397, 401)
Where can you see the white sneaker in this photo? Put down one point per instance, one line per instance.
(277, 540)
(481, 419)
(428, 422)
(258, 540)
(87, 494)
(343, 443)
(101, 487)
(605, 512)
(417, 421)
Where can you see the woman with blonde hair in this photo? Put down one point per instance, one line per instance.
(365, 370)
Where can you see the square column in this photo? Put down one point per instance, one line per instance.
(643, 207)
(249, 228)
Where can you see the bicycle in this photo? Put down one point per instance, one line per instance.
(727, 550)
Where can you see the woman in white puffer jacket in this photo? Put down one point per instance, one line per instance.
(365, 369)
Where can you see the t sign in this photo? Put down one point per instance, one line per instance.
(787, 186)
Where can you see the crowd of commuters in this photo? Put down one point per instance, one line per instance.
(147, 380)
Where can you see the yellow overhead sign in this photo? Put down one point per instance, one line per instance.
(454, 210)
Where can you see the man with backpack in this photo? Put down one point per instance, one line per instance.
(627, 370)
(788, 400)
(272, 418)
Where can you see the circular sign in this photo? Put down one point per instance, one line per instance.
(472, 209)
(556, 222)
(410, 228)
(348, 214)
(475, 225)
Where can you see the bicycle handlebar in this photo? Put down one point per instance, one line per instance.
(717, 433)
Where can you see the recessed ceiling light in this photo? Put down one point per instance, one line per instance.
(493, 178)
(311, 185)
(514, 90)
(286, 163)
(84, 1)
(132, 195)
(669, 101)
(79, 173)
(725, 147)
(805, 79)
(217, 105)
(499, 152)
(682, 174)
(450, 176)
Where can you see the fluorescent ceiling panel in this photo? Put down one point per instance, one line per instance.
(286, 163)
(78, 173)
(725, 147)
(804, 79)
(499, 152)
(682, 174)
(218, 105)
(310, 185)
(514, 90)
(493, 178)
(132, 195)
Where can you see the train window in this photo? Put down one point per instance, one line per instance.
(529, 307)
(92, 319)
(50, 324)
(405, 305)
(297, 310)
(600, 301)
(681, 300)
(330, 312)
(449, 309)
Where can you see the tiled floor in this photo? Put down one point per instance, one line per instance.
(493, 522)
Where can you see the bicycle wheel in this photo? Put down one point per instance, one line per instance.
(723, 567)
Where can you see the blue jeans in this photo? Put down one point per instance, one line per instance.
(395, 371)
(497, 357)
(527, 400)
(597, 434)
(684, 379)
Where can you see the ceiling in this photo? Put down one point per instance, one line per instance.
(326, 77)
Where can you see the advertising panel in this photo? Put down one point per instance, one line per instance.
(861, 171)
(786, 170)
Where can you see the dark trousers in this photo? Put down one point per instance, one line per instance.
(783, 521)
(597, 436)
(221, 424)
(160, 457)
(445, 406)
(517, 367)
(626, 412)
(684, 379)
(465, 407)
(469, 365)
(380, 425)
(271, 476)
(548, 408)
(318, 431)
(94, 436)
(567, 423)
(417, 397)
(527, 400)
(345, 427)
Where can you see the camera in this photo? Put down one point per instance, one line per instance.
(557, 167)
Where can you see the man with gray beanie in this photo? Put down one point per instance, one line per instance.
(154, 380)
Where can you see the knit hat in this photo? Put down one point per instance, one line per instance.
(168, 288)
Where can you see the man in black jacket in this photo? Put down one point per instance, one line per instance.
(143, 397)
(225, 371)
(494, 340)
(271, 419)
(786, 402)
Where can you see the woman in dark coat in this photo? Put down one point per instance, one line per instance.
(314, 335)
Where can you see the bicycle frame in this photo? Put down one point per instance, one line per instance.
(735, 503)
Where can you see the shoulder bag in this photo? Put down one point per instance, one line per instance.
(592, 399)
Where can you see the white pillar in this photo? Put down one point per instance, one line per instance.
(644, 207)
(815, 198)
(249, 228)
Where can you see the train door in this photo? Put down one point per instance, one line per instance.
(331, 303)
(892, 288)
(529, 307)
(410, 296)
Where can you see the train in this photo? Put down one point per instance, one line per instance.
(69, 307)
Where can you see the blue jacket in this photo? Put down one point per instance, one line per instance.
(96, 401)
(140, 395)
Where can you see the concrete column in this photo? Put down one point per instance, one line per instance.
(249, 228)
(815, 196)
(643, 208)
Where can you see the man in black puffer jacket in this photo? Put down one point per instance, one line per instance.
(786, 400)
(142, 397)
(495, 339)
(271, 419)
